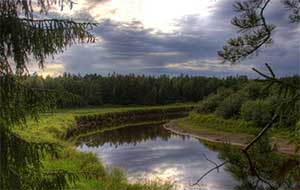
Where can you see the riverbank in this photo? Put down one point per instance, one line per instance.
(91, 172)
(238, 133)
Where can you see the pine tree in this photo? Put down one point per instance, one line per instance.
(23, 36)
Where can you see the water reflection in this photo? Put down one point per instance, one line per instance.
(128, 135)
(153, 152)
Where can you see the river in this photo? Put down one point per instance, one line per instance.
(151, 152)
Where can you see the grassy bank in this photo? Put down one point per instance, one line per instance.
(99, 121)
(52, 128)
(211, 124)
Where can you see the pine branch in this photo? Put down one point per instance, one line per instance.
(257, 32)
(22, 37)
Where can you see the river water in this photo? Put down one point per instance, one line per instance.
(151, 152)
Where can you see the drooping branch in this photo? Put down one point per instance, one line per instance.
(27, 7)
(23, 37)
(253, 25)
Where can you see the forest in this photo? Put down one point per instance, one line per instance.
(233, 97)
(96, 90)
(251, 101)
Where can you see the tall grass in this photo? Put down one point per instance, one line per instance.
(214, 124)
(52, 127)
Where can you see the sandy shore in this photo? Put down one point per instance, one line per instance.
(282, 146)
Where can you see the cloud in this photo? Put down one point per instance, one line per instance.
(130, 47)
(206, 65)
(53, 70)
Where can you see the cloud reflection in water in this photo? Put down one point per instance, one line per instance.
(166, 157)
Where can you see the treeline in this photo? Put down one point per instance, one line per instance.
(95, 90)
(253, 101)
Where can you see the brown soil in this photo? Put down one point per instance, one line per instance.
(241, 140)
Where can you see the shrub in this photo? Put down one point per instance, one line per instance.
(253, 90)
(210, 103)
(257, 111)
(230, 106)
(212, 121)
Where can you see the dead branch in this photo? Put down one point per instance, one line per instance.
(208, 172)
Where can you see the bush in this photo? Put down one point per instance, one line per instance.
(212, 121)
(210, 103)
(253, 90)
(257, 111)
(230, 106)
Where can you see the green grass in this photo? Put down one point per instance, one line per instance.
(92, 174)
(108, 109)
(213, 124)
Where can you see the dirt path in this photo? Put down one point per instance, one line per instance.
(282, 146)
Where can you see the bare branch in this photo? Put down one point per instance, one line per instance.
(254, 171)
(208, 172)
(210, 160)
(262, 132)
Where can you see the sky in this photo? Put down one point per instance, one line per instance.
(173, 37)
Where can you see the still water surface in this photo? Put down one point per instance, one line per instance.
(151, 152)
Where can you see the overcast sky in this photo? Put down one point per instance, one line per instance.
(171, 37)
